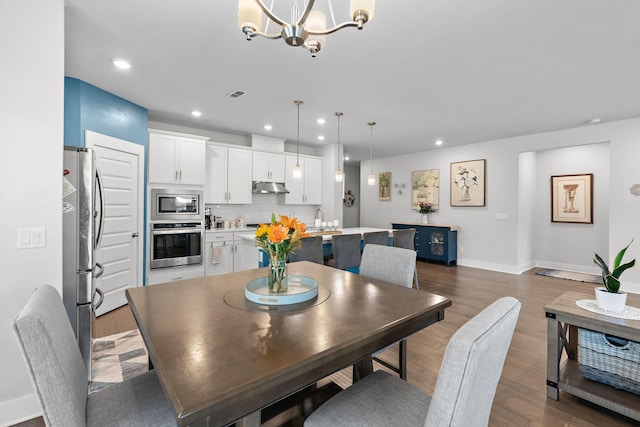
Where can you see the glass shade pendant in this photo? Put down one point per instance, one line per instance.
(372, 177)
(339, 174)
(297, 169)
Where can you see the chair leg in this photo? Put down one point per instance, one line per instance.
(402, 359)
(415, 278)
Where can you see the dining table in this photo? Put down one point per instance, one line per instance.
(222, 358)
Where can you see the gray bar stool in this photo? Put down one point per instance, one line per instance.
(311, 250)
(405, 239)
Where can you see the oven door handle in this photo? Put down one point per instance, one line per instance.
(177, 231)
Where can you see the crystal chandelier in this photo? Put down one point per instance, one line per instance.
(307, 28)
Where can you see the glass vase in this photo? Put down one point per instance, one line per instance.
(278, 274)
(425, 218)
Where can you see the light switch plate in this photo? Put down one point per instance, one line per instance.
(29, 238)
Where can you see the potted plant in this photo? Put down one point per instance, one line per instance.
(609, 297)
(425, 209)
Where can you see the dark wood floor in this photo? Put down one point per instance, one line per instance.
(521, 398)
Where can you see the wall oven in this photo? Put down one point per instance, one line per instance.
(176, 244)
(176, 205)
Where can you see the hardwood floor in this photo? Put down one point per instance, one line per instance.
(521, 398)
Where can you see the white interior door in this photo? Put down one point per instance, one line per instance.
(121, 165)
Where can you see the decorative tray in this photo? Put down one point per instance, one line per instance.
(299, 289)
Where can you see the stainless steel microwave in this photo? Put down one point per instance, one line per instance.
(176, 205)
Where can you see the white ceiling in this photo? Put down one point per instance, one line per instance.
(464, 71)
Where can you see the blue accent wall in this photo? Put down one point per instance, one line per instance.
(87, 107)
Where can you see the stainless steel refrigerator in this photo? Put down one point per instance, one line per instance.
(82, 225)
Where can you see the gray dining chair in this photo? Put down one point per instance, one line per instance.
(376, 238)
(346, 251)
(405, 238)
(311, 250)
(60, 377)
(397, 266)
(464, 391)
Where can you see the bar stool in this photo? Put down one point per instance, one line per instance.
(376, 238)
(346, 252)
(311, 250)
(405, 239)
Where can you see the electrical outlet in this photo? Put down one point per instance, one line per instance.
(502, 217)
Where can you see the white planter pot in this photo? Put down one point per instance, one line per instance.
(611, 302)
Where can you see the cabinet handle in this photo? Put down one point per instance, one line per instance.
(176, 175)
(180, 175)
(229, 199)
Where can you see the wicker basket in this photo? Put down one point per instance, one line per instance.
(609, 360)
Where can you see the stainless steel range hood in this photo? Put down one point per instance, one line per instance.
(269, 187)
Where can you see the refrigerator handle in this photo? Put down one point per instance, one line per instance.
(100, 271)
(101, 222)
(101, 295)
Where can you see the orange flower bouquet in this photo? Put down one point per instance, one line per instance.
(278, 240)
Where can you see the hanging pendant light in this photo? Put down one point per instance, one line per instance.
(372, 177)
(339, 173)
(297, 170)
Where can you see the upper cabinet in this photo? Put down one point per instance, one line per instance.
(308, 189)
(268, 167)
(176, 160)
(228, 175)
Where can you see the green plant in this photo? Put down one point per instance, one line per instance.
(611, 279)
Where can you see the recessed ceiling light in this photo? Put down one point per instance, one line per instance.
(595, 121)
(196, 113)
(268, 127)
(346, 158)
(121, 63)
(321, 121)
(439, 142)
(320, 138)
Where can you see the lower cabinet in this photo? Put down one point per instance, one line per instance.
(173, 274)
(228, 252)
(434, 242)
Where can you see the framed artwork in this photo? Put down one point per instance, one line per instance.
(572, 198)
(425, 187)
(384, 186)
(468, 183)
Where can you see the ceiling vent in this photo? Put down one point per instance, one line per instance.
(236, 94)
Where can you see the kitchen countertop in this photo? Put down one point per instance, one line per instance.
(231, 230)
(327, 237)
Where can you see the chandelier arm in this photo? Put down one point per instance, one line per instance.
(271, 16)
(265, 35)
(334, 29)
(307, 11)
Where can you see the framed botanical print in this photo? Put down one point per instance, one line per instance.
(572, 198)
(425, 187)
(384, 186)
(468, 183)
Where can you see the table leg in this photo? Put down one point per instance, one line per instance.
(362, 368)
(251, 420)
(554, 351)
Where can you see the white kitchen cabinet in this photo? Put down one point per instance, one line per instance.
(226, 252)
(246, 256)
(174, 274)
(228, 175)
(176, 160)
(308, 189)
(268, 167)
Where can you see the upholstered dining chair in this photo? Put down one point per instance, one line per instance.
(405, 238)
(376, 238)
(464, 391)
(311, 250)
(346, 251)
(393, 265)
(60, 377)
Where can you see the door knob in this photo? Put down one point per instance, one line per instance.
(135, 234)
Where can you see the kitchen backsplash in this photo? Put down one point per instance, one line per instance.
(261, 209)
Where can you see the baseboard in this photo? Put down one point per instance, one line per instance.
(18, 410)
(502, 268)
(567, 267)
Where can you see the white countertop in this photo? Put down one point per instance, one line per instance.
(327, 237)
(231, 230)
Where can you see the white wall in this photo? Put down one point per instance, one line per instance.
(484, 241)
(527, 209)
(351, 215)
(568, 246)
(31, 135)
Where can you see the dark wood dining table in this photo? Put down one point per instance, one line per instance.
(221, 358)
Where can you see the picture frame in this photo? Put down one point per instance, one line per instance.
(572, 198)
(425, 187)
(467, 187)
(384, 186)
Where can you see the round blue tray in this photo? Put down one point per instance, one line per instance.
(299, 289)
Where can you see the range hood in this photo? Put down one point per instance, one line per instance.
(269, 187)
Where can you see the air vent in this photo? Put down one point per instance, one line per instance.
(236, 94)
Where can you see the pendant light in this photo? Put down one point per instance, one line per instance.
(372, 178)
(297, 170)
(339, 173)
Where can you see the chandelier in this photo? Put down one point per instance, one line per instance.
(307, 28)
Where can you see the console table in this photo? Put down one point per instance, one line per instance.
(434, 242)
(563, 319)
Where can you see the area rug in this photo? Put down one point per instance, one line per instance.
(117, 358)
(571, 275)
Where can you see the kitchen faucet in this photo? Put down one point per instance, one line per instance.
(321, 218)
